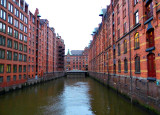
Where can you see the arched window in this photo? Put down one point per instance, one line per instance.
(125, 65)
(125, 46)
(136, 41)
(137, 64)
(119, 66)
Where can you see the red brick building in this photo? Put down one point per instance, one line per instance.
(76, 59)
(28, 46)
(125, 46)
(13, 42)
(60, 48)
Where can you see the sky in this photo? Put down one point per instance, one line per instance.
(74, 20)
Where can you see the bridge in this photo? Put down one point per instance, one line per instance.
(76, 73)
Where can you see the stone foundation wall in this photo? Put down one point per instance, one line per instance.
(44, 78)
(139, 90)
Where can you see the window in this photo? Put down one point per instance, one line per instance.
(20, 77)
(21, 36)
(135, 2)
(14, 78)
(16, 23)
(118, 20)
(2, 53)
(150, 38)
(20, 68)
(20, 57)
(4, 3)
(1, 79)
(16, 34)
(1, 68)
(9, 55)
(119, 66)
(8, 78)
(32, 59)
(149, 10)
(118, 9)
(2, 40)
(14, 68)
(33, 68)
(24, 76)
(24, 68)
(25, 38)
(10, 31)
(2, 27)
(136, 18)
(24, 58)
(21, 26)
(124, 13)
(9, 43)
(3, 14)
(125, 66)
(118, 33)
(33, 19)
(20, 47)
(10, 7)
(125, 28)
(8, 68)
(15, 45)
(16, 12)
(21, 16)
(15, 56)
(136, 41)
(26, 20)
(137, 64)
(124, 2)
(119, 49)
(10, 19)
(25, 48)
(25, 29)
(125, 46)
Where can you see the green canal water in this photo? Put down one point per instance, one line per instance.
(67, 96)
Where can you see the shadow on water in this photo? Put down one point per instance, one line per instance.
(67, 96)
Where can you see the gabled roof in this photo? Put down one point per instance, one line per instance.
(76, 52)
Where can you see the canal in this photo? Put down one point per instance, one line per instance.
(66, 96)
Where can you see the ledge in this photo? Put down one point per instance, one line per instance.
(136, 26)
(151, 79)
(147, 21)
(150, 49)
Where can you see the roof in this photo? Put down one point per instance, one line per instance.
(76, 52)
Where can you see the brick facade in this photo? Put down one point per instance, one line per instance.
(125, 46)
(27, 44)
(77, 61)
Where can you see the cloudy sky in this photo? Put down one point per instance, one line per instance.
(74, 20)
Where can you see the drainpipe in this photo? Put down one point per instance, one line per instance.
(130, 53)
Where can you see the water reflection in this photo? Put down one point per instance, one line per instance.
(81, 96)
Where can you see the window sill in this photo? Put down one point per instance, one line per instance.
(137, 48)
(148, 20)
(137, 72)
(150, 49)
